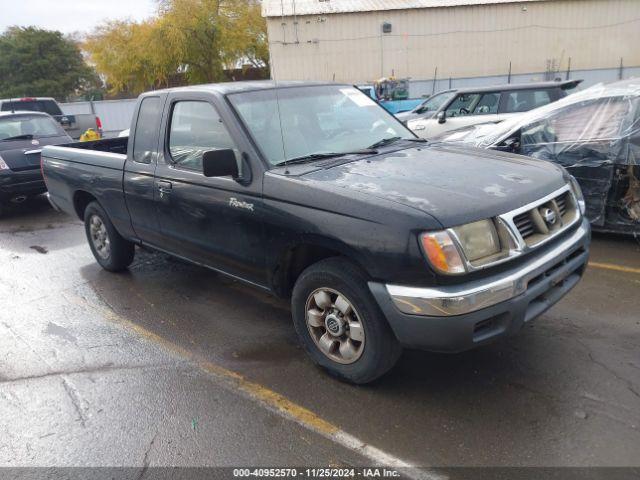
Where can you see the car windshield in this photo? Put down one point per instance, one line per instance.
(433, 103)
(296, 122)
(28, 125)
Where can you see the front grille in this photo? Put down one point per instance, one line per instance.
(546, 219)
(561, 202)
(524, 224)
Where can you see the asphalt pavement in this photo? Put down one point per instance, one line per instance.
(172, 364)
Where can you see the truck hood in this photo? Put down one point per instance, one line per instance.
(455, 185)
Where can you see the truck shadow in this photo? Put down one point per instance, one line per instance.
(512, 388)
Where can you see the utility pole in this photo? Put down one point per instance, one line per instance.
(435, 76)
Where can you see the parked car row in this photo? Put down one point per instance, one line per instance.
(453, 109)
(74, 125)
(594, 134)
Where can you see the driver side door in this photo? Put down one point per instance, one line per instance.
(215, 221)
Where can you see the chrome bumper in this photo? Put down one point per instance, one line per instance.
(461, 299)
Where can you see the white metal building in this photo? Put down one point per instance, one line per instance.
(363, 40)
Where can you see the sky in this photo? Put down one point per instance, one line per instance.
(71, 16)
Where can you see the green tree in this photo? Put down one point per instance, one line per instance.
(133, 57)
(190, 40)
(36, 62)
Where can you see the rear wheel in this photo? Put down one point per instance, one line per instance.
(109, 248)
(339, 323)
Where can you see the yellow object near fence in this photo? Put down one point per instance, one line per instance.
(89, 135)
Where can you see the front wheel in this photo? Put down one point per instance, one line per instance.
(339, 323)
(109, 248)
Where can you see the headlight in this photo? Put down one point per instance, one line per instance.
(478, 239)
(577, 192)
(3, 166)
(447, 250)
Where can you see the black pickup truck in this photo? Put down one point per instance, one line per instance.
(314, 192)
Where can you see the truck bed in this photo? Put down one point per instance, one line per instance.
(111, 145)
(86, 171)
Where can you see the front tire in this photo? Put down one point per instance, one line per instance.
(109, 248)
(339, 323)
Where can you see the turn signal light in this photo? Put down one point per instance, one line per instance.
(442, 252)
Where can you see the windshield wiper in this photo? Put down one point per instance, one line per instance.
(320, 155)
(385, 141)
(26, 136)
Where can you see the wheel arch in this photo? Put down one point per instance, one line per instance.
(81, 199)
(297, 256)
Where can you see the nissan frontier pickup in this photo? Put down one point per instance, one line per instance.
(314, 192)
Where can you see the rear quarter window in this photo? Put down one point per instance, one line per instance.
(525, 100)
(146, 132)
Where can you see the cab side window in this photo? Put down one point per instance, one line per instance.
(146, 131)
(196, 128)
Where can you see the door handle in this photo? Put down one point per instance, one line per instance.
(164, 187)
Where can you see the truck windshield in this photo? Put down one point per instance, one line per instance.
(306, 121)
(31, 125)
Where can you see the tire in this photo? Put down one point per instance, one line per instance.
(119, 252)
(369, 343)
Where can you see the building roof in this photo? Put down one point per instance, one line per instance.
(277, 8)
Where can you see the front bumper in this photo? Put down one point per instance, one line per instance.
(460, 317)
(24, 182)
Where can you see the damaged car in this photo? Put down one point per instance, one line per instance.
(594, 134)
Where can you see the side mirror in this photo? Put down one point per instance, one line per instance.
(220, 163)
(511, 144)
(442, 116)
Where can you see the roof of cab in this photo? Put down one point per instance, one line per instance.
(227, 88)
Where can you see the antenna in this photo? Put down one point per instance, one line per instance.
(275, 83)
